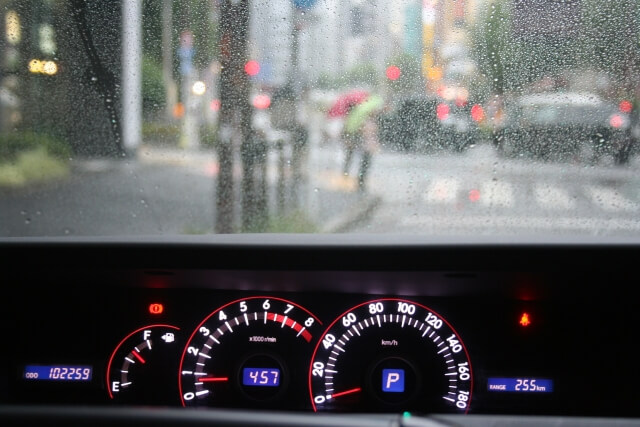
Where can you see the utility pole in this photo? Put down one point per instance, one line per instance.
(235, 110)
(131, 75)
(167, 59)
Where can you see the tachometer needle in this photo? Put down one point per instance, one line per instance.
(213, 379)
(342, 393)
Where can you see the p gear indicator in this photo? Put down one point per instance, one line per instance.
(393, 380)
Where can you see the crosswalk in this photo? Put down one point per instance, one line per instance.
(548, 196)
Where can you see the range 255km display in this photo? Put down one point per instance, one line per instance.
(388, 355)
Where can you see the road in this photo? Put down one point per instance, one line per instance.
(472, 193)
(478, 192)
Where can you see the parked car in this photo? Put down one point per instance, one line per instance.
(561, 125)
(423, 123)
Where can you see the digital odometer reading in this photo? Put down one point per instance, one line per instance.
(57, 373)
(390, 355)
(520, 385)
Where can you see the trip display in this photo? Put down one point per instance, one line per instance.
(523, 385)
(57, 373)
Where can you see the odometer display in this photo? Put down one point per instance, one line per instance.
(390, 355)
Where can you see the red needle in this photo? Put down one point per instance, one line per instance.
(135, 353)
(213, 379)
(342, 393)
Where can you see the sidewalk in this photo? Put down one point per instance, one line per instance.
(327, 198)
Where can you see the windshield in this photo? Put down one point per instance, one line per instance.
(423, 117)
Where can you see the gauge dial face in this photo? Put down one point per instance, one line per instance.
(140, 368)
(390, 355)
(249, 353)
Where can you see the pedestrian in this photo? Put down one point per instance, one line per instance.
(370, 146)
(352, 141)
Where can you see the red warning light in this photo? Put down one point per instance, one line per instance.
(156, 308)
(525, 320)
(252, 68)
(474, 195)
(393, 72)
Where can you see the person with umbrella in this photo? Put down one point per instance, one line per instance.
(361, 134)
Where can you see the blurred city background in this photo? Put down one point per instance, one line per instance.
(230, 116)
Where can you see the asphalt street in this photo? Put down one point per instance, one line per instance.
(172, 191)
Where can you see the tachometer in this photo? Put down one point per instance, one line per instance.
(249, 353)
(390, 355)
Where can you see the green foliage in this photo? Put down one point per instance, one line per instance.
(14, 143)
(161, 133)
(362, 74)
(606, 40)
(208, 136)
(153, 91)
(294, 222)
(411, 79)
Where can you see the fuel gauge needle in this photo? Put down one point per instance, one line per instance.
(343, 393)
(137, 356)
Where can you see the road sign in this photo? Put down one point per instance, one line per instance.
(304, 4)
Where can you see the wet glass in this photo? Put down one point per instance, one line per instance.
(435, 117)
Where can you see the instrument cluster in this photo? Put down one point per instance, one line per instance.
(287, 342)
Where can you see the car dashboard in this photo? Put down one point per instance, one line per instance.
(286, 330)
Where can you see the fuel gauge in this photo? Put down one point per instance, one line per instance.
(142, 368)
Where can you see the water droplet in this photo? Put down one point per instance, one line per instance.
(27, 221)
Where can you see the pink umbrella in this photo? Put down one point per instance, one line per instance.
(346, 101)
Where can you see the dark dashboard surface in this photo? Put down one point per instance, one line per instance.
(315, 329)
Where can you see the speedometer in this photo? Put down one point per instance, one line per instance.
(390, 355)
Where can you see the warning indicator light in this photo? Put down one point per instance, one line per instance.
(156, 308)
(525, 320)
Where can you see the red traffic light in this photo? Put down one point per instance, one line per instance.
(252, 68)
(477, 113)
(393, 72)
(442, 111)
(625, 106)
(261, 102)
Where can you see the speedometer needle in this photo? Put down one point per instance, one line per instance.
(342, 393)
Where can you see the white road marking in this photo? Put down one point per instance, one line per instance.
(610, 199)
(496, 194)
(442, 190)
(553, 197)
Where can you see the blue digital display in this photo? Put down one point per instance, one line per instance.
(57, 373)
(393, 380)
(520, 385)
(261, 377)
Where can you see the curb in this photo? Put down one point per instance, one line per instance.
(359, 213)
